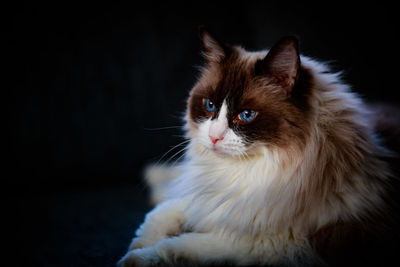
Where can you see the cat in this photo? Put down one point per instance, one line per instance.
(283, 167)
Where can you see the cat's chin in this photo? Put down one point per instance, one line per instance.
(219, 153)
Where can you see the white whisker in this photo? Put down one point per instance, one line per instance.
(183, 149)
(171, 149)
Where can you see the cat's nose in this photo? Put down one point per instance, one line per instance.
(218, 130)
(214, 139)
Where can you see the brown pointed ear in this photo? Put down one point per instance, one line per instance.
(213, 50)
(282, 63)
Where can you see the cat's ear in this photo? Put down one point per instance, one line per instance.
(213, 50)
(282, 63)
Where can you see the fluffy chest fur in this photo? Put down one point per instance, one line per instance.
(227, 194)
(268, 192)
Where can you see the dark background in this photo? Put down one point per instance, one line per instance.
(91, 83)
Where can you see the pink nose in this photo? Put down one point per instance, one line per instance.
(214, 139)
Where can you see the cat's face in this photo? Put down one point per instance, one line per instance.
(244, 100)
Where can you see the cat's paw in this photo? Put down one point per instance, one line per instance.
(137, 243)
(140, 257)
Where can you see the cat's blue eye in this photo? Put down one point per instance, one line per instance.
(247, 115)
(210, 106)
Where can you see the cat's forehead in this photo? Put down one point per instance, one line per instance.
(239, 66)
(232, 76)
(234, 79)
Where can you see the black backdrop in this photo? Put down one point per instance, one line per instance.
(90, 82)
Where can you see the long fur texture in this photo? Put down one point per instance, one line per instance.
(265, 206)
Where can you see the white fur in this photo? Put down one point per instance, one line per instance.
(220, 201)
(219, 127)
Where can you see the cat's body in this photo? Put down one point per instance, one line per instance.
(281, 155)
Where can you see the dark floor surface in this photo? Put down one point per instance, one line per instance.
(74, 226)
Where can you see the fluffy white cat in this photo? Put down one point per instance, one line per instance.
(280, 154)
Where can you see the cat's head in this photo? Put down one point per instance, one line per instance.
(244, 100)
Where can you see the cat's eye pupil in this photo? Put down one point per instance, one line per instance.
(209, 105)
(247, 115)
